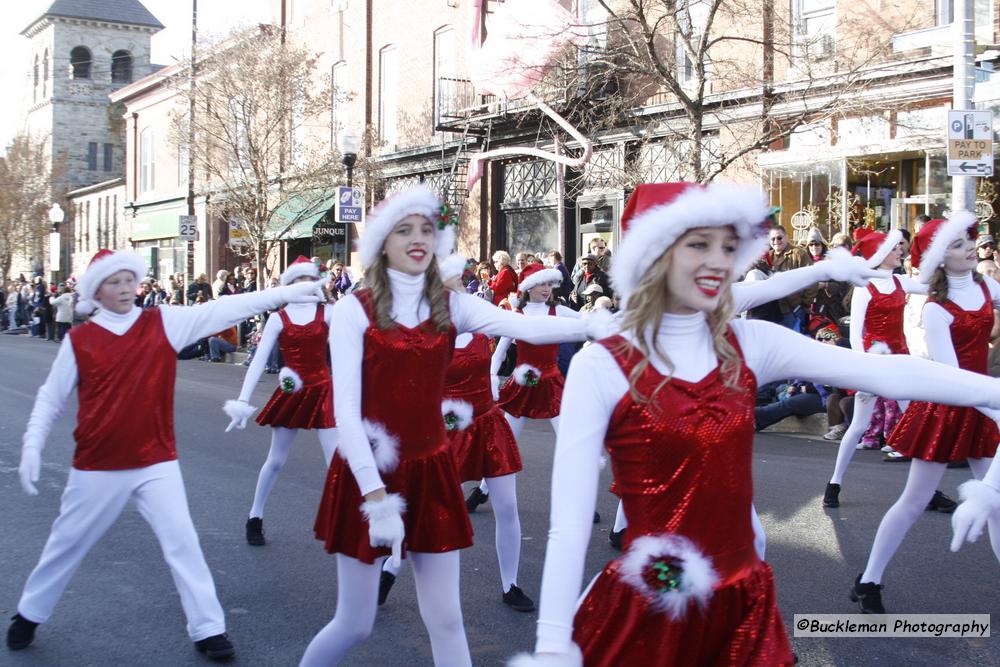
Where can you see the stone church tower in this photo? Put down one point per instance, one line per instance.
(81, 51)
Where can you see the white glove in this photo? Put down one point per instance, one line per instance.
(238, 413)
(572, 658)
(600, 324)
(495, 387)
(841, 266)
(307, 291)
(980, 502)
(385, 524)
(31, 465)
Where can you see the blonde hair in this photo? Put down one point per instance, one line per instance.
(646, 307)
(377, 278)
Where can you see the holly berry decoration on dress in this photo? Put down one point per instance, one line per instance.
(663, 575)
(527, 375)
(457, 415)
(670, 572)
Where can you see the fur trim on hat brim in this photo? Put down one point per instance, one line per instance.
(102, 269)
(542, 277)
(651, 233)
(955, 227)
(419, 200)
(453, 266)
(299, 270)
(890, 241)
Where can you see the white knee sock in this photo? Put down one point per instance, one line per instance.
(357, 593)
(508, 527)
(759, 537)
(328, 441)
(281, 443)
(555, 424)
(620, 521)
(516, 423)
(921, 483)
(436, 576)
(979, 468)
(864, 405)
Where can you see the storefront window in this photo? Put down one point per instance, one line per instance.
(804, 193)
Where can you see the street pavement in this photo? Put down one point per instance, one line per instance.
(121, 607)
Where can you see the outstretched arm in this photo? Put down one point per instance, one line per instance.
(840, 267)
(268, 339)
(475, 315)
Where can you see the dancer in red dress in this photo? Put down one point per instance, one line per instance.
(394, 484)
(674, 410)
(957, 319)
(304, 396)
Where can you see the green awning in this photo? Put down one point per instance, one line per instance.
(303, 211)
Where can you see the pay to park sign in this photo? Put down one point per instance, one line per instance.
(970, 143)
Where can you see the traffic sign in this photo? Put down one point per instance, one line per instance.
(970, 143)
(187, 227)
(350, 205)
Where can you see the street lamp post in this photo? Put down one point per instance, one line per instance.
(348, 143)
(56, 217)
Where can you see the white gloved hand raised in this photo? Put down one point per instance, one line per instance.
(980, 501)
(238, 413)
(385, 524)
(28, 470)
(841, 266)
(306, 291)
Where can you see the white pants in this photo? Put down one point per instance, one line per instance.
(91, 502)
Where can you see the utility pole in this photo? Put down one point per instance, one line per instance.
(189, 269)
(963, 188)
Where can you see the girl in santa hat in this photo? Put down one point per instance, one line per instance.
(876, 326)
(304, 396)
(125, 448)
(674, 410)
(957, 319)
(394, 484)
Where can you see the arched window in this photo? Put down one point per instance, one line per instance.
(121, 67)
(79, 62)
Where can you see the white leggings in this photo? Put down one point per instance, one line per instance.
(436, 577)
(864, 406)
(281, 443)
(517, 423)
(921, 483)
(91, 503)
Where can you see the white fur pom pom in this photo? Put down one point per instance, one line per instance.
(457, 414)
(696, 575)
(289, 380)
(600, 324)
(393, 504)
(572, 658)
(385, 446)
(526, 375)
(878, 347)
(238, 411)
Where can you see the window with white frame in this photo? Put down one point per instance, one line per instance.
(388, 89)
(944, 10)
(445, 73)
(338, 100)
(147, 161)
(815, 29)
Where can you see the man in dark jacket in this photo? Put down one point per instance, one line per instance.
(783, 256)
(200, 285)
(590, 274)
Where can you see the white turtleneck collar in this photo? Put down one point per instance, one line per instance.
(408, 304)
(959, 281)
(115, 323)
(964, 291)
(687, 342)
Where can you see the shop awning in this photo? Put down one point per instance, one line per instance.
(159, 221)
(302, 210)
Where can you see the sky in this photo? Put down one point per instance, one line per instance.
(169, 45)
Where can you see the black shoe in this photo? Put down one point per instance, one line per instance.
(868, 597)
(475, 499)
(831, 497)
(216, 647)
(597, 517)
(255, 532)
(385, 583)
(517, 600)
(941, 503)
(21, 632)
(615, 537)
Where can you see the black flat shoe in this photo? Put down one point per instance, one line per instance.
(831, 497)
(517, 600)
(615, 538)
(941, 503)
(216, 647)
(868, 597)
(385, 582)
(475, 499)
(597, 517)
(21, 633)
(255, 532)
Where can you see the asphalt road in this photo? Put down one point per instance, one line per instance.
(121, 607)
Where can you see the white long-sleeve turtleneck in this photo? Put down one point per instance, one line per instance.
(530, 309)
(409, 308)
(964, 292)
(595, 385)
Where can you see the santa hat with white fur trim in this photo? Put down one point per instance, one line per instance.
(941, 235)
(418, 200)
(657, 214)
(533, 275)
(876, 246)
(300, 268)
(105, 264)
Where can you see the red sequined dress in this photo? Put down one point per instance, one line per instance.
(884, 319)
(486, 448)
(305, 350)
(945, 433)
(540, 397)
(402, 385)
(682, 463)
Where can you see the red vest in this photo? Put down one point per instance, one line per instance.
(884, 319)
(126, 393)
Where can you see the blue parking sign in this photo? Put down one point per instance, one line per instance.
(350, 205)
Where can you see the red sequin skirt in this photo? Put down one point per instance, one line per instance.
(309, 407)
(486, 448)
(741, 625)
(435, 519)
(944, 433)
(538, 402)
